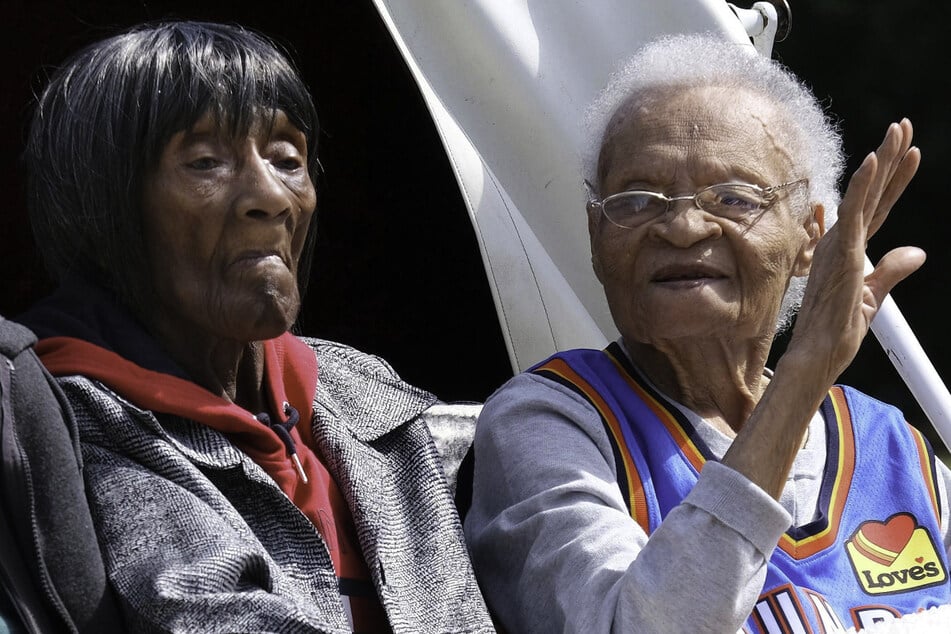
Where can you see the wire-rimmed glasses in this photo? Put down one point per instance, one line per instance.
(733, 201)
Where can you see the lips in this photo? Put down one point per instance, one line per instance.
(686, 273)
(253, 258)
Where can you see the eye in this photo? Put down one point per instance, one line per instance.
(288, 163)
(632, 207)
(286, 155)
(731, 199)
(633, 202)
(204, 163)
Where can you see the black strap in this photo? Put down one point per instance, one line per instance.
(54, 573)
(17, 580)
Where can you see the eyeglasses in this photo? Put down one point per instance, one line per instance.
(733, 201)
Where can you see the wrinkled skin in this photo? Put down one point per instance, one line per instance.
(692, 274)
(226, 221)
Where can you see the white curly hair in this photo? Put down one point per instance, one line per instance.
(706, 59)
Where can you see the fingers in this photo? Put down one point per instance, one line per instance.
(887, 156)
(904, 171)
(853, 205)
(898, 162)
(896, 143)
(880, 180)
(892, 146)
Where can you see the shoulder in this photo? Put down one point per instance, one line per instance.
(866, 410)
(879, 424)
(91, 399)
(363, 388)
(94, 405)
(544, 386)
(340, 364)
(858, 398)
(109, 422)
(338, 358)
(534, 405)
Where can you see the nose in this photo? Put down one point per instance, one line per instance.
(685, 224)
(264, 193)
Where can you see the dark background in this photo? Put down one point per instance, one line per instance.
(397, 271)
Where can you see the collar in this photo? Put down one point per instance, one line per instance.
(84, 331)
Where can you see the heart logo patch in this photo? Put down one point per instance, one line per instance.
(883, 541)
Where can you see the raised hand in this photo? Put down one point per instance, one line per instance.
(841, 300)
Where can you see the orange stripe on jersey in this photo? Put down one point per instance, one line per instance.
(802, 548)
(674, 428)
(927, 467)
(635, 490)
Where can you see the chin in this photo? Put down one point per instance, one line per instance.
(687, 325)
(265, 319)
(683, 314)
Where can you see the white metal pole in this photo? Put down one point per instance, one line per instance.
(909, 358)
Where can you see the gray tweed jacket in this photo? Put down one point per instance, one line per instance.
(197, 537)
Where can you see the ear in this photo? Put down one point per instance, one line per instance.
(815, 228)
(594, 228)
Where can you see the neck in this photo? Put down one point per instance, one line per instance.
(721, 380)
(233, 370)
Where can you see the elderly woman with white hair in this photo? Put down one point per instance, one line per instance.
(672, 482)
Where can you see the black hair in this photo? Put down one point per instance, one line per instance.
(104, 118)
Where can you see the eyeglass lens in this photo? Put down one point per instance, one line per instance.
(729, 200)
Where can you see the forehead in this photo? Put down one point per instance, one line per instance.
(264, 123)
(706, 134)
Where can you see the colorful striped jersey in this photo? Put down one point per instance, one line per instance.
(873, 553)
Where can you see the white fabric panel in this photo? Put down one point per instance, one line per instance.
(506, 82)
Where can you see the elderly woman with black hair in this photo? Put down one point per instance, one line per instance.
(240, 478)
(671, 482)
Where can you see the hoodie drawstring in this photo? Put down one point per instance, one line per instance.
(283, 431)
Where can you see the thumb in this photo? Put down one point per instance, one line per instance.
(894, 266)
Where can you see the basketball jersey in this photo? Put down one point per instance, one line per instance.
(873, 553)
